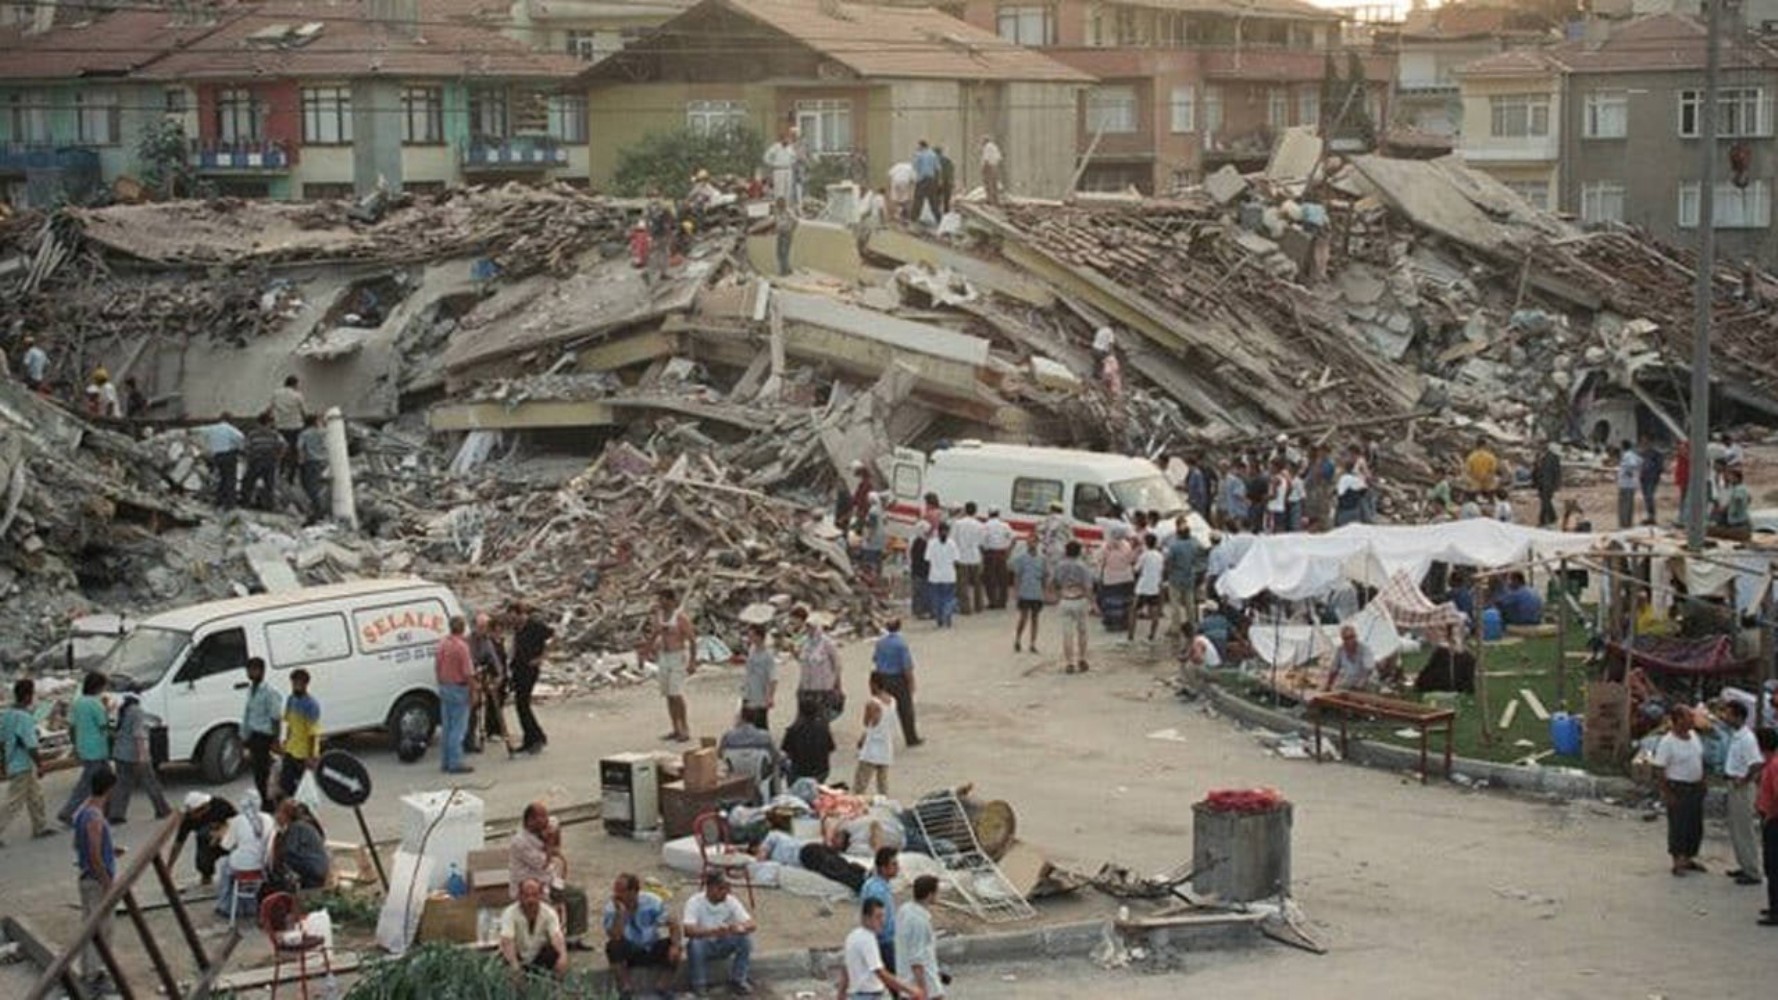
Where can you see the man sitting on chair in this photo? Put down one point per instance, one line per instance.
(535, 852)
(531, 934)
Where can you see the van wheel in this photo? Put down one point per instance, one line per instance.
(415, 716)
(222, 756)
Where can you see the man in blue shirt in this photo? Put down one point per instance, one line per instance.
(1520, 605)
(1181, 566)
(261, 722)
(36, 366)
(18, 750)
(927, 167)
(893, 662)
(96, 858)
(639, 932)
(224, 441)
(880, 887)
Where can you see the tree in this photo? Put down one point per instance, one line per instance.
(162, 151)
(667, 160)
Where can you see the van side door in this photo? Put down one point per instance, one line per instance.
(209, 688)
(907, 490)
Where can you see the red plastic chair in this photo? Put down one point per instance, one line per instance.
(279, 916)
(716, 853)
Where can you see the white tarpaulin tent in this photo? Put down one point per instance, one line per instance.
(1286, 646)
(1299, 567)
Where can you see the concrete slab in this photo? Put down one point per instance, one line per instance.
(273, 571)
(1296, 154)
(39, 417)
(1225, 184)
(827, 247)
(900, 334)
(531, 414)
(908, 248)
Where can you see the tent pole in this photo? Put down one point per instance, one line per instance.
(1481, 672)
(1562, 635)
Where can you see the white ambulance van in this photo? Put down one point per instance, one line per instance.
(1023, 481)
(367, 645)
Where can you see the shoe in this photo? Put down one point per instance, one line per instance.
(1767, 921)
(462, 769)
(45, 832)
(1745, 879)
(741, 988)
(1737, 873)
(1016, 649)
(1695, 866)
(1083, 666)
(916, 742)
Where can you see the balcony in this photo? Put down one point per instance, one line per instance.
(1510, 149)
(242, 157)
(22, 157)
(518, 152)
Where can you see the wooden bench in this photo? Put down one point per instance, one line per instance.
(1421, 717)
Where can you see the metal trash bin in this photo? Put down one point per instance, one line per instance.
(1241, 857)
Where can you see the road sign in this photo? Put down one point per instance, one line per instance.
(343, 778)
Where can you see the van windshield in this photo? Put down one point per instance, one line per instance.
(143, 657)
(1149, 493)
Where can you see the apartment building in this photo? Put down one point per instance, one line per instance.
(1609, 130)
(1432, 43)
(1186, 86)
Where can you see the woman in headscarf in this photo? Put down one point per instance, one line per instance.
(246, 840)
(299, 852)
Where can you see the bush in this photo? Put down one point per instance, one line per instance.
(161, 150)
(667, 160)
(447, 972)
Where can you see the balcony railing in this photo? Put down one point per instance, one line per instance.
(519, 152)
(18, 157)
(264, 156)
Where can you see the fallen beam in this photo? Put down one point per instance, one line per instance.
(622, 352)
(528, 415)
(907, 248)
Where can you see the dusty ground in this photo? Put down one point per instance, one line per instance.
(1418, 891)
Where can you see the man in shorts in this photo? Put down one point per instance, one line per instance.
(1148, 587)
(675, 656)
(1029, 574)
(1074, 587)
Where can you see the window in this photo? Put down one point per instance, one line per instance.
(567, 117)
(96, 123)
(217, 653)
(422, 116)
(1027, 24)
(1308, 106)
(1278, 107)
(1535, 192)
(306, 640)
(1519, 116)
(583, 45)
(1740, 111)
(487, 113)
(1091, 502)
(826, 125)
(706, 117)
(1034, 496)
(327, 116)
(1098, 27)
(1747, 207)
(1111, 110)
(30, 117)
(240, 116)
(1602, 201)
(176, 100)
(1212, 110)
(1607, 115)
(1126, 29)
(1184, 108)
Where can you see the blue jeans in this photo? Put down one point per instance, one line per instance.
(453, 701)
(703, 950)
(944, 602)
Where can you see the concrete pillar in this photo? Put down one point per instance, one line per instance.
(376, 136)
(339, 466)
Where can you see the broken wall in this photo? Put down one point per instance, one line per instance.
(1041, 125)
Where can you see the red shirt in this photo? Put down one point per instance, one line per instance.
(455, 665)
(1767, 802)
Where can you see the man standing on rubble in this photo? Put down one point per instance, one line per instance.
(967, 532)
(1234, 496)
(780, 158)
(926, 179)
(455, 667)
(265, 448)
(530, 637)
(1629, 480)
(1649, 476)
(672, 644)
(784, 223)
(1546, 479)
(1481, 467)
(947, 182)
(991, 160)
(288, 411)
(36, 366)
(311, 459)
(996, 550)
(662, 228)
(224, 441)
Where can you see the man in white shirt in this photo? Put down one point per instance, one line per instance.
(901, 190)
(717, 926)
(991, 160)
(968, 533)
(1629, 480)
(916, 946)
(1354, 667)
(996, 551)
(1148, 586)
(531, 934)
(863, 976)
(1680, 756)
(1742, 767)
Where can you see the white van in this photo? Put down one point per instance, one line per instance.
(368, 647)
(1023, 481)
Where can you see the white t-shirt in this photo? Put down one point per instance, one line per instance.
(1104, 339)
(863, 961)
(967, 533)
(705, 915)
(1629, 471)
(1743, 757)
(527, 938)
(941, 561)
(1680, 760)
(1148, 572)
(996, 535)
(1348, 482)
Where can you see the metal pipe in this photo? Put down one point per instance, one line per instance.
(1695, 491)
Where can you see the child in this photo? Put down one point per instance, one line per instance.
(876, 745)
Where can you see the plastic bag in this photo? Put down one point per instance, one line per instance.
(308, 792)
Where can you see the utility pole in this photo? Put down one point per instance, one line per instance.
(1697, 499)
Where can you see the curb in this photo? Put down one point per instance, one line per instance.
(1513, 776)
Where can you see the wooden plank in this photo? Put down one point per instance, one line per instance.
(1506, 716)
(40, 953)
(134, 866)
(1535, 704)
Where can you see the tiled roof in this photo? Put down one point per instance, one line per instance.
(110, 44)
(1661, 43)
(1453, 21)
(1513, 62)
(1296, 10)
(348, 44)
(872, 41)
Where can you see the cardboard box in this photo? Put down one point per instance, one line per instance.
(447, 919)
(700, 769)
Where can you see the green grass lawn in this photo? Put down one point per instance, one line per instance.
(1511, 665)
